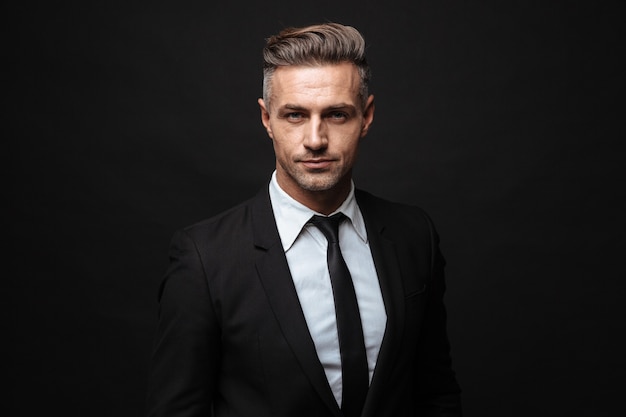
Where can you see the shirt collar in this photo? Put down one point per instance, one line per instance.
(291, 216)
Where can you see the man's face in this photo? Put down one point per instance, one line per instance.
(315, 121)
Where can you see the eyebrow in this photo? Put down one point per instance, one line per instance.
(291, 107)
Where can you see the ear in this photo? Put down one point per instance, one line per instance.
(368, 115)
(265, 117)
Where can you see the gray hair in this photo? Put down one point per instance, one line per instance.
(328, 43)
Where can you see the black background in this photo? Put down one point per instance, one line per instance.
(504, 120)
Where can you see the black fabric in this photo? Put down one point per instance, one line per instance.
(232, 339)
(354, 369)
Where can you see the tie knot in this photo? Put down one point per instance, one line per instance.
(329, 226)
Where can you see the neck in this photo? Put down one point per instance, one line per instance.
(324, 202)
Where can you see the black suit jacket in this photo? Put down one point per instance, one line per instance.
(232, 339)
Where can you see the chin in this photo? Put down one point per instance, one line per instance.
(321, 183)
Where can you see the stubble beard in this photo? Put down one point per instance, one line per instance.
(322, 180)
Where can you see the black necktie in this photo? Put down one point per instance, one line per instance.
(354, 369)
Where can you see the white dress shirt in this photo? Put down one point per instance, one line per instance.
(305, 249)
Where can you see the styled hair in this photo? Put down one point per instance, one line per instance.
(328, 43)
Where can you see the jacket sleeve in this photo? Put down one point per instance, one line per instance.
(438, 390)
(186, 354)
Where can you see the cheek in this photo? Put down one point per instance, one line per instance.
(282, 146)
(349, 148)
(286, 135)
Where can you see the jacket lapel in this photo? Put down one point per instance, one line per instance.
(387, 267)
(276, 279)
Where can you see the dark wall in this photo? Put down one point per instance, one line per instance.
(504, 120)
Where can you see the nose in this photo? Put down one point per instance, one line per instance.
(316, 138)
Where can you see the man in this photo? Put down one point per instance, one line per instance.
(283, 307)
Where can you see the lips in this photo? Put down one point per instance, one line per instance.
(316, 163)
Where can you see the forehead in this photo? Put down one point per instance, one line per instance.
(310, 86)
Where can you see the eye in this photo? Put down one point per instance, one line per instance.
(293, 116)
(338, 115)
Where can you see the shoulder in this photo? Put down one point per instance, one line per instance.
(235, 215)
(408, 226)
(215, 233)
(394, 212)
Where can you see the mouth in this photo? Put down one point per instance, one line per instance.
(316, 164)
